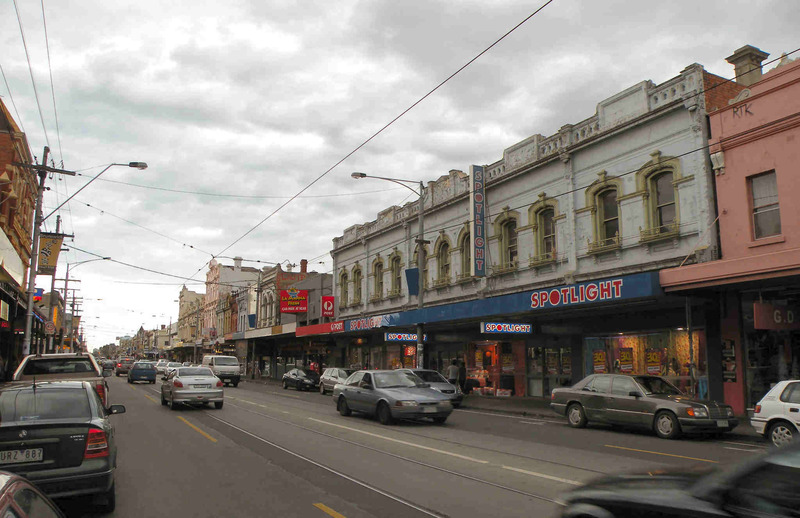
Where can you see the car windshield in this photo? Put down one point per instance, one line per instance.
(655, 385)
(226, 361)
(307, 373)
(430, 376)
(396, 380)
(195, 371)
(147, 366)
(57, 366)
(172, 364)
(44, 403)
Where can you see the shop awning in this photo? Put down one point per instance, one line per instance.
(11, 267)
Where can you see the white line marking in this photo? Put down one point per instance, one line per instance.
(405, 443)
(741, 449)
(745, 444)
(542, 475)
(509, 416)
(339, 473)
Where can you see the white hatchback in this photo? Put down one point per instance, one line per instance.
(777, 415)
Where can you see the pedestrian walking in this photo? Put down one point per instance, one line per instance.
(452, 372)
(462, 376)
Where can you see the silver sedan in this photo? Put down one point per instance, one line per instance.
(191, 385)
(390, 395)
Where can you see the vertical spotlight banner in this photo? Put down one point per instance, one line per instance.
(477, 212)
(49, 247)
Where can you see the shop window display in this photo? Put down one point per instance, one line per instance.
(661, 353)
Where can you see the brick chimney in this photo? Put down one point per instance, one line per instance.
(747, 64)
(303, 265)
(237, 263)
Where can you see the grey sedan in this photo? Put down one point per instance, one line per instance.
(191, 385)
(438, 382)
(390, 395)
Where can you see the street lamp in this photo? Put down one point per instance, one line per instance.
(66, 294)
(420, 255)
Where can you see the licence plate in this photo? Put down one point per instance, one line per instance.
(429, 409)
(19, 456)
(722, 423)
(201, 386)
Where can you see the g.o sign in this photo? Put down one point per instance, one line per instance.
(779, 318)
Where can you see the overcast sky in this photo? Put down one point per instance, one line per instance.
(244, 103)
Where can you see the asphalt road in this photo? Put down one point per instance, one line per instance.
(274, 452)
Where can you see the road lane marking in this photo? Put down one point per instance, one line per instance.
(327, 510)
(198, 430)
(741, 449)
(405, 443)
(257, 404)
(542, 475)
(151, 399)
(659, 453)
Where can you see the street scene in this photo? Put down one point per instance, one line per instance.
(394, 259)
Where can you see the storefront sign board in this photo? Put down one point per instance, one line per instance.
(403, 337)
(327, 305)
(775, 318)
(626, 360)
(284, 280)
(566, 364)
(321, 329)
(362, 324)
(477, 212)
(508, 328)
(552, 362)
(653, 358)
(478, 359)
(729, 361)
(599, 360)
(294, 301)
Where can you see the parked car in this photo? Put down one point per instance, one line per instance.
(331, 376)
(64, 366)
(764, 486)
(225, 368)
(124, 366)
(648, 402)
(109, 365)
(438, 382)
(777, 415)
(390, 395)
(161, 366)
(187, 364)
(191, 385)
(142, 371)
(171, 366)
(58, 435)
(19, 498)
(301, 379)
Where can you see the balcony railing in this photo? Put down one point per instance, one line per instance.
(392, 294)
(441, 282)
(667, 231)
(500, 269)
(543, 259)
(605, 245)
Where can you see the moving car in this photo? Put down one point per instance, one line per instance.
(301, 379)
(438, 382)
(648, 402)
(331, 376)
(777, 415)
(391, 394)
(64, 366)
(170, 367)
(161, 366)
(124, 365)
(58, 435)
(21, 499)
(225, 368)
(142, 371)
(764, 486)
(191, 385)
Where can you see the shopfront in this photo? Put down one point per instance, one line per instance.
(551, 363)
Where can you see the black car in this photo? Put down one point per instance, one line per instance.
(58, 436)
(766, 486)
(301, 379)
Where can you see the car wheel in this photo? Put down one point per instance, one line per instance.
(576, 416)
(780, 433)
(439, 420)
(235, 384)
(172, 405)
(163, 400)
(342, 407)
(285, 385)
(218, 404)
(322, 389)
(456, 405)
(109, 499)
(385, 414)
(667, 426)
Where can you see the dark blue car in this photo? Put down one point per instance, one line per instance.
(142, 371)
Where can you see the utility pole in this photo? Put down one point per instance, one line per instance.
(42, 170)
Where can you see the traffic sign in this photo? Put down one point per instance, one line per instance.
(50, 327)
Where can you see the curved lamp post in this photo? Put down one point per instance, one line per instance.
(420, 255)
(66, 294)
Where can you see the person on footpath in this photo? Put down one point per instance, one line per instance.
(452, 372)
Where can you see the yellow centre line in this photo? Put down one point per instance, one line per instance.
(198, 430)
(327, 510)
(151, 399)
(659, 453)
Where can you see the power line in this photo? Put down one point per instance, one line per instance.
(381, 130)
(52, 86)
(30, 69)
(11, 96)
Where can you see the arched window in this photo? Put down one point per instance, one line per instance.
(344, 290)
(466, 255)
(397, 280)
(547, 232)
(424, 264)
(608, 216)
(357, 284)
(508, 243)
(443, 263)
(663, 195)
(377, 272)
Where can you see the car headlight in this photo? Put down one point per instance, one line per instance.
(697, 412)
(729, 412)
(407, 403)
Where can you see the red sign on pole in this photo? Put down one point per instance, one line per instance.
(294, 301)
(327, 306)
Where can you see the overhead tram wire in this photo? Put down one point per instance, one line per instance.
(11, 96)
(381, 130)
(52, 85)
(30, 69)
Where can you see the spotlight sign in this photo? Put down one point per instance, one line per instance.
(294, 301)
(477, 212)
